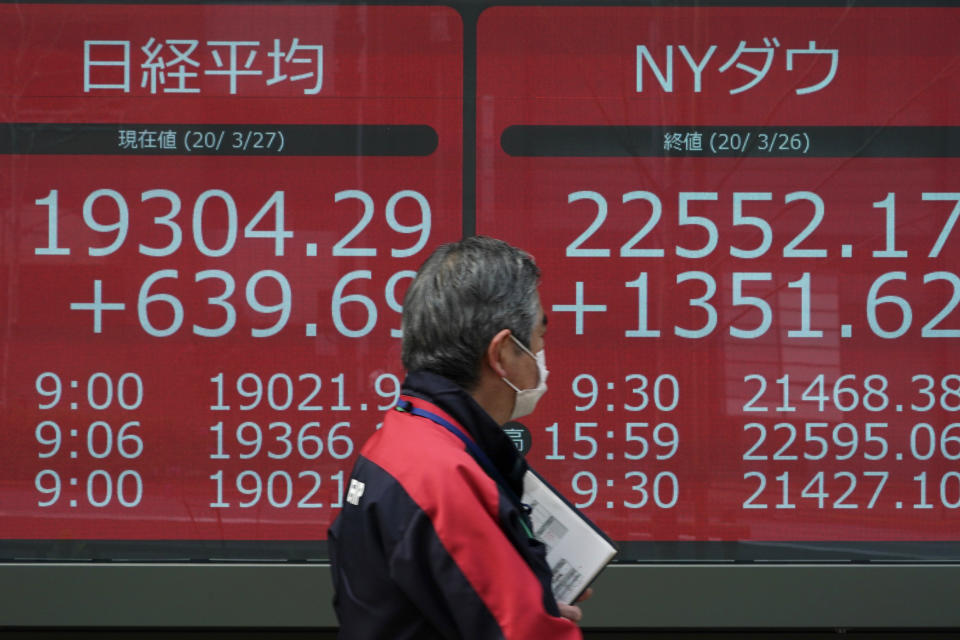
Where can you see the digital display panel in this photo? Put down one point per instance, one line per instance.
(746, 220)
(210, 217)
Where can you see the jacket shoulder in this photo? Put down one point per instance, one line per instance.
(430, 463)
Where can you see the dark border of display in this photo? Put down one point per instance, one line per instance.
(630, 552)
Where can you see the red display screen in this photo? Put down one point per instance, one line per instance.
(746, 220)
(210, 217)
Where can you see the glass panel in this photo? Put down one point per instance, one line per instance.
(210, 217)
(746, 221)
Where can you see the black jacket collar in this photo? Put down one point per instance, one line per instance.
(484, 430)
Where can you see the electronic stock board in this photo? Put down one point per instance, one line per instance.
(745, 218)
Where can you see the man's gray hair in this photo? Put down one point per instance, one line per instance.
(464, 294)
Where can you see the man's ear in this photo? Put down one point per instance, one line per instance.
(494, 354)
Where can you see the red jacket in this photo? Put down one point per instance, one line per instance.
(428, 545)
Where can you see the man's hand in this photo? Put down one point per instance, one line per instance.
(572, 611)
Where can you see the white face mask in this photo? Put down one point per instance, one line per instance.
(526, 399)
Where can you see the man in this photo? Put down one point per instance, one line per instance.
(433, 541)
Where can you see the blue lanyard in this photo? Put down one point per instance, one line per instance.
(478, 454)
